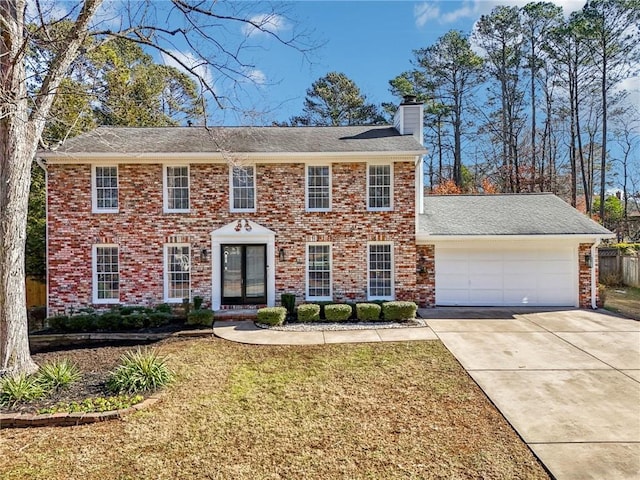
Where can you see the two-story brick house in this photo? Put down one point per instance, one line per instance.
(235, 215)
(241, 215)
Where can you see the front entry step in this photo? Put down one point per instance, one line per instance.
(235, 314)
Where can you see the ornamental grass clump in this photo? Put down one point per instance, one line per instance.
(20, 388)
(140, 371)
(58, 374)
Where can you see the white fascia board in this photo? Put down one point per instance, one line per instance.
(209, 157)
(426, 239)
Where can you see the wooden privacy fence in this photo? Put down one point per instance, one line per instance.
(616, 266)
(36, 292)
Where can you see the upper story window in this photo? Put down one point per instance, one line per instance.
(379, 187)
(319, 271)
(177, 268)
(104, 194)
(106, 274)
(318, 183)
(176, 189)
(380, 271)
(243, 189)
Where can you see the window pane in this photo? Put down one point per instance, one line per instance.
(107, 275)
(318, 189)
(178, 188)
(243, 188)
(380, 270)
(178, 272)
(319, 271)
(106, 179)
(379, 186)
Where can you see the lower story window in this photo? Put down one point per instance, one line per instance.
(106, 274)
(177, 272)
(319, 271)
(380, 271)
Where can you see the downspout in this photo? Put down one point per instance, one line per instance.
(43, 166)
(594, 280)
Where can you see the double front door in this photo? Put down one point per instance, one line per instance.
(244, 274)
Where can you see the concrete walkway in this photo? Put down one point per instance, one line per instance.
(567, 381)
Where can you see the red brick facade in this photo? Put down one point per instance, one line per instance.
(141, 229)
(426, 275)
(584, 274)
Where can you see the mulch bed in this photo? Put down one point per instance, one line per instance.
(95, 365)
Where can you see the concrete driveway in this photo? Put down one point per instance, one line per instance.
(568, 381)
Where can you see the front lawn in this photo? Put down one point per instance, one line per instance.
(624, 300)
(354, 411)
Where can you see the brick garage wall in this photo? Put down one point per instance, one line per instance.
(141, 229)
(584, 276)
(426, 275)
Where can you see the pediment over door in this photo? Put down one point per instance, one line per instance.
(241, 228)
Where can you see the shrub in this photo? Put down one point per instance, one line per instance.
(58, 374)
(158, 318)
(308, 312)
(81, 323)
(109, 321)
(197, 302)
(59, 322)
(163, 308)
(133, 321)
(368, 312)
(200, 317)
(353, 310)
(139, 371)
(272, 315)
(288, 301)
(611, 279)
(397, 311)
(20, 388)
(337, 312)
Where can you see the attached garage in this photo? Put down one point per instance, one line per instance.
(506, 250)
(506, 275)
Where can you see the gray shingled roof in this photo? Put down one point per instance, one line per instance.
(523, 214)
(240, 140)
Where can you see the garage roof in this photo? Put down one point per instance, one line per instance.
(504, 214)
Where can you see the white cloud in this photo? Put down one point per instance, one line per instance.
(257, 76)
(179, 60)
(271, 22)
(472, 9)
(425, 12)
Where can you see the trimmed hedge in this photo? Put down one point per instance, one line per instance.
(203, 318)
(308, 312)
(115, 319)
(368, 312)
(399, 311)
(272, 315)
(337, 312)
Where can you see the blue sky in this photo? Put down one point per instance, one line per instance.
(370, 41)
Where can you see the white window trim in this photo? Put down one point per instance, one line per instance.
(325, 298)
(165, 192)
(393, 288)
(165, 273)
(255, 190)
(306, 187)
(391, 181)
(94, 274)
(94, 190)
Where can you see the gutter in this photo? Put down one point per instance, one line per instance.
(594, 283)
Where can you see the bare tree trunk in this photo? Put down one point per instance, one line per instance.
(17, 147)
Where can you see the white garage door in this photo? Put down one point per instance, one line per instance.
(498, 276)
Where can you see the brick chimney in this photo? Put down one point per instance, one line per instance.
(409, 117)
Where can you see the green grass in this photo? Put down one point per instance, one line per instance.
(358, 411)
(623, 300)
